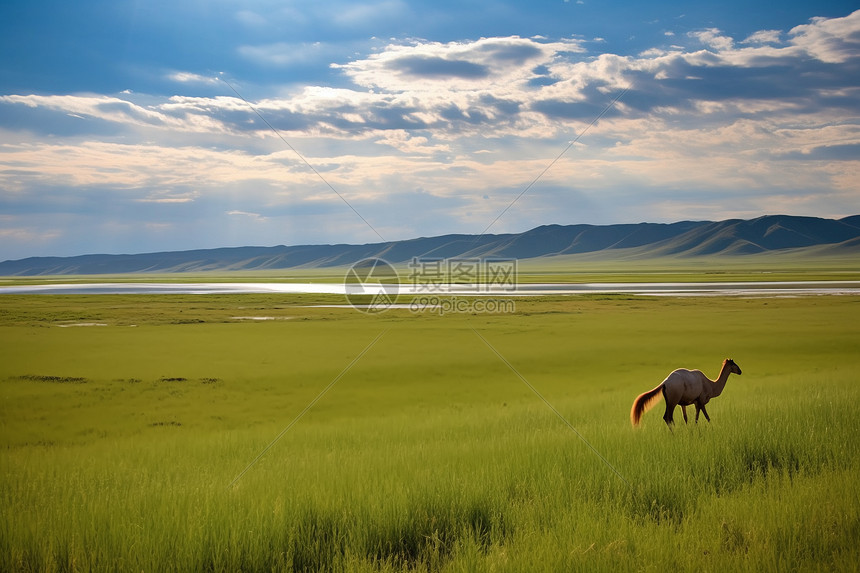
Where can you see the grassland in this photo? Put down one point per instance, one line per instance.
(428, 453)
(811, 264)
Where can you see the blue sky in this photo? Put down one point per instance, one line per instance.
(120, 131)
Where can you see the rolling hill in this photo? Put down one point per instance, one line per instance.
(642, 240)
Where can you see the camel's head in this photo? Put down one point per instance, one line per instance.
(733, 368)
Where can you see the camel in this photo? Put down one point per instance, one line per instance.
(684, 387)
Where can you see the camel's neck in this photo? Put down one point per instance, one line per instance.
(720, 382)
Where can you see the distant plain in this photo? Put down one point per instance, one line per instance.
(803, 265)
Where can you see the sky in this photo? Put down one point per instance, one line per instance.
(131, 126)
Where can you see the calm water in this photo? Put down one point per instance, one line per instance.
(654, 289)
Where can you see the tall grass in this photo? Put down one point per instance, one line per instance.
(430, 454)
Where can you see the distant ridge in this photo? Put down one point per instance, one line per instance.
(642, 240)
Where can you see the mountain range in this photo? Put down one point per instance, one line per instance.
(643, 240)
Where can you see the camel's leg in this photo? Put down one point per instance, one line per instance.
(698, 409)
(705, 412)
(684, 411)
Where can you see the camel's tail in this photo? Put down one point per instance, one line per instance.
(644, 403)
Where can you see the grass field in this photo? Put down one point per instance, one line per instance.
(809, 264)
(122, 443)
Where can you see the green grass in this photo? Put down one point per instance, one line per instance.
(610, 266)
(120, 442)
(808, 264)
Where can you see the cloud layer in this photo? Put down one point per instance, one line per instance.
(426, 137)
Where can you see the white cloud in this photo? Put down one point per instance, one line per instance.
(188, 77)
(162, 196)
(254, 216)
(713, 38)
(31, 235)
(764, 37)
(152, 169)
(832, 40)
(107, 108)
(488, 64)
